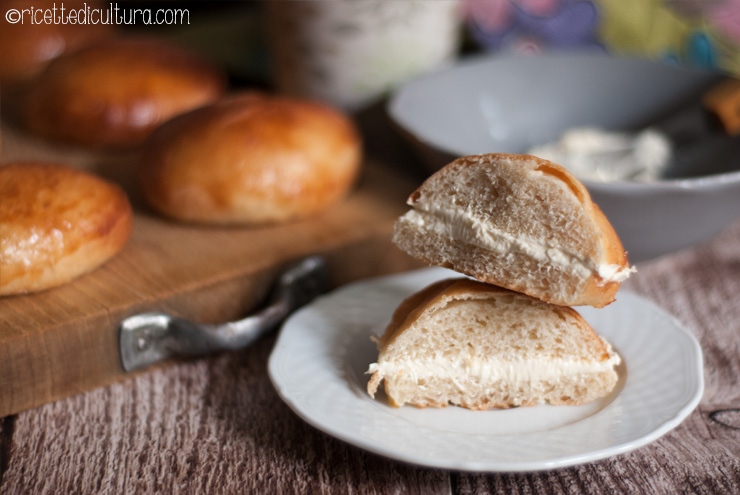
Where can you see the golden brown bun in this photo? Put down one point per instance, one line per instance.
(479, 346)
(26, 47)
(251, 159)
(519, 222)
(723, 101)
(56, 223)
(115, 93)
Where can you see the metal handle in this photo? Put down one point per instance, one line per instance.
(149, 338)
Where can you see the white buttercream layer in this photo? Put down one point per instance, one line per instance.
(493, 370)
(462, 225)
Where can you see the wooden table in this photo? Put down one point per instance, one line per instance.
(216, 425)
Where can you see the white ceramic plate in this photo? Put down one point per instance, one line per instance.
(319, 361)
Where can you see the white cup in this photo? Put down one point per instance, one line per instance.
(350, 53)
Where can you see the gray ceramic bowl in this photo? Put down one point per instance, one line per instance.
(510, 103)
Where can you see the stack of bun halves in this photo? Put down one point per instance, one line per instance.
(532, 244)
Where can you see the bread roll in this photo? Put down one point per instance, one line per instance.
(251, 159)
(115, 93)
(27, 46)
(478, 346)
(56, 223)
(518, 222)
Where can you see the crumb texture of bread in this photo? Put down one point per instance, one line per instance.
(518, 222)
(56, 223)
(478, 346)
(251, 159)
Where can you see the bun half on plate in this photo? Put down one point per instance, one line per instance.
(479, 346)
(519, 222)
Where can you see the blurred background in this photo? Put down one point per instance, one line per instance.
(409, 37)
(406, 71)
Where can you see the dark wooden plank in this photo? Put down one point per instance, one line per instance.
(7, 426)
(209, 426)
(216, 425)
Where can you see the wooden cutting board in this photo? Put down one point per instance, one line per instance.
(64, 341)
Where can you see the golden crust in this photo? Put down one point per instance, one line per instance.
(251, 159)
(598, 292)
(410, 309)
(440, 293)
(56, 223)
(115, 93)
(26, 47)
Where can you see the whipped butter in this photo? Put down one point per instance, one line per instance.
(591, 153)
(460, 224)
(492, 370)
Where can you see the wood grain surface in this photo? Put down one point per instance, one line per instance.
(64, 341)
(216, 425)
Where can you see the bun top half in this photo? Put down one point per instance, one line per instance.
(519, 222)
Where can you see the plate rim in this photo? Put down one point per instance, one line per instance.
(489, 466)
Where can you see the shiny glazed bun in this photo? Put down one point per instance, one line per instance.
(115, 93)
(27, 46)
(56, 223)
(251, 159)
